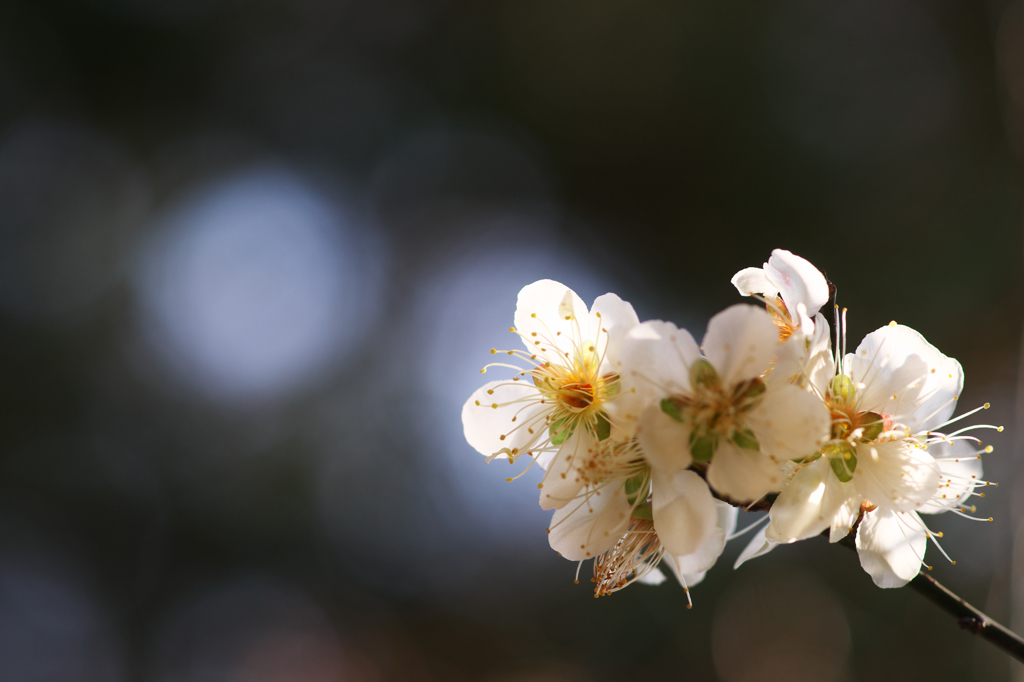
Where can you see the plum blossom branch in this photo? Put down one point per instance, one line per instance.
(968, 617)
(650, 442)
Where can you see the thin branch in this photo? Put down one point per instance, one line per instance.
(968, 617)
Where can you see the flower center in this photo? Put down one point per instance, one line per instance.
(849, 427)
(576, 387)
(715, 412)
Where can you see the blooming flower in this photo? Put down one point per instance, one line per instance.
(887, 401)
(793, 291)
(649, 442)
(628, 521)
(715, 409)
(553, 408)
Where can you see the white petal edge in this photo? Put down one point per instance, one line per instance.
(759, 545)
(905, 376)
(484, 425)
(610, 319)
(664, 441)
(591, 524)
(790, 422)
(562, 482)
(540, 310)
(895, 475)
(684, 512)
(653, 362)
(754, 281)
(743, 475)
(741, 342)
(811, 502)
(891, 548)
(798, 280)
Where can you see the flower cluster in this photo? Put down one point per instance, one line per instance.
(650, 443)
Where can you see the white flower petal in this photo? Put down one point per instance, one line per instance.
(895, 475)
(684, 512)
(811, 502)
(658, 354)
(789, 422)
(727, 515)
(741, 342)
(791, 363)
(610, 319)
(705, 556)
(484, 425)
(654, 361)
(759, 545)
(540, 318)
(562, 482)
(664, 441)
(821, 365)
(891, 548)
(743, 475)
(652, 577)
(804, 323)
(960, 471)
(754, 281)
(591, 524)
(905, 376)
(798, 281)
(686, 580)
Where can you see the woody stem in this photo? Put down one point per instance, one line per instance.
(968, 617)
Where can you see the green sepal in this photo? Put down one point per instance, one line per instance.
(746, 439)
(603, 428)
(670, 406)
(845, 464)
(643, 511)
(560, 430)
(702, 447)
(875, 426)
(703, 374)
(632, 486)
(749, 389)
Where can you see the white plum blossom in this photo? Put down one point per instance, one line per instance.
(554, 408)
(650, 442)
(714, 409)
(886, 459)
(793, 291)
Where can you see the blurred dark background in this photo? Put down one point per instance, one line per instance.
(253, 254)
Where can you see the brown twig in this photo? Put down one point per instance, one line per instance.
(968, 617)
